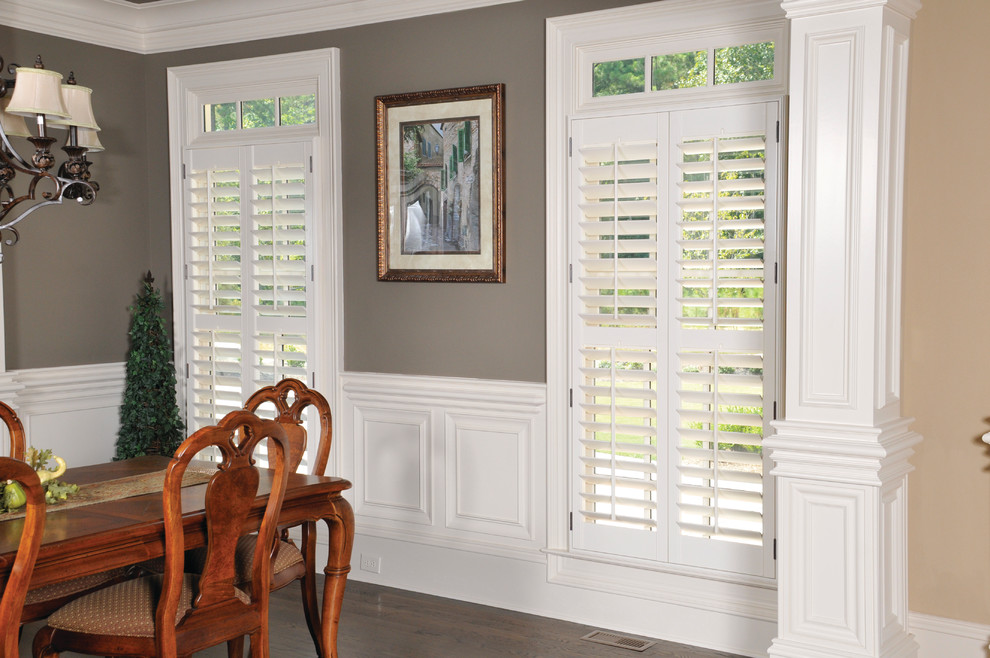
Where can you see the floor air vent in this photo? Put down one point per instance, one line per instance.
(621, 641)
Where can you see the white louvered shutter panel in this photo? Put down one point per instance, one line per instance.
(722, 235)
(672, 228)
(280, 262)
(214, 285)
(617, 396)
(249, 242)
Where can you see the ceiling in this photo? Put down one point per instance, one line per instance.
(152, 26)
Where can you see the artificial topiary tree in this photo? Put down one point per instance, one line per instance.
(149, 416)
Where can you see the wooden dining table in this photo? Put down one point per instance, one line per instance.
(84, 540)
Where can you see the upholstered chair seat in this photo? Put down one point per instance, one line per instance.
(66, 590)
(126, 609)
(287, 557)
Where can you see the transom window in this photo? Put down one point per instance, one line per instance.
(297, 110)
(751, 62)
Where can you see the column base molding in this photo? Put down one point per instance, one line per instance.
(903, 646)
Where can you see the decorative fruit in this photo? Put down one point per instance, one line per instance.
(45, 475)
(14, 496)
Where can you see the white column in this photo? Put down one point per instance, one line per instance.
(841, 450)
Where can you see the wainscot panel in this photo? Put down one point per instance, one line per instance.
(74, 410)
(452, 462)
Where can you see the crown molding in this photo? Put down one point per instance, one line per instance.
(806, 8)
(170, 25)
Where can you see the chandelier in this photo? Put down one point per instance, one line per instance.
(39, 96)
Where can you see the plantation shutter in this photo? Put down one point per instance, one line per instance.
(214, 280)
(721, 232)
(617, 395)
(672, 230)
(249, 273)
(280, 263)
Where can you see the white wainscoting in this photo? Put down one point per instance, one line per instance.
(73, 410)
(458, 463)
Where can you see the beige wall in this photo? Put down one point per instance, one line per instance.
(946, 361)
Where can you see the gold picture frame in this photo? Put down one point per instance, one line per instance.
(441, 185)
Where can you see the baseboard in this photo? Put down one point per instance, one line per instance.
(939, 637)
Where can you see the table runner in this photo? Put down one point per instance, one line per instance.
(126, 487)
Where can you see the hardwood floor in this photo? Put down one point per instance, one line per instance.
(382, 622)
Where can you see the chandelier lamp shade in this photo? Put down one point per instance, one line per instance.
(32, 104)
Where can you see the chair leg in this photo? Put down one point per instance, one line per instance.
(235, 647)
(308, 585)
(42, 646)
(259, 648)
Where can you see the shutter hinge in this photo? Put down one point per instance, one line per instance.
(775, 549)
(183, 171)
(570, 397)
(570, 274)
(778, 131)
(570, 521)
(185, 270)
(312, 272)
(570, 147)
(311, 158)
(187, 371)
(775, 267)
(312, 379)
(775, 410)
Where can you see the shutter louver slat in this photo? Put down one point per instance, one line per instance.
(619, 234)
(720, 460)
(278, 235)
(619, 436)
(721, 233)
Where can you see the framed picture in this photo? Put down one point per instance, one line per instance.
(441, 185)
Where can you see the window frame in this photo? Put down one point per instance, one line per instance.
(189, 89)
(574, 43)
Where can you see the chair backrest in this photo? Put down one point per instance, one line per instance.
(291, 397)
(230, 496)
(15, 429)
(15, 589)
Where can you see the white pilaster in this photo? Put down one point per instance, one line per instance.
(841, 450)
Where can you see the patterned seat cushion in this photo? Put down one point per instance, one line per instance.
(70, 587)
(288, 555)
(126, 609)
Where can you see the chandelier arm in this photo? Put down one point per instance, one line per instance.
(10, 154)
(28, 211)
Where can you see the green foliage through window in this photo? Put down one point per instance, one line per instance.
(747, 63)
(260, 113)
(680, 70)
(625, 76)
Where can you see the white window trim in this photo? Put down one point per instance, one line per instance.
(188, 88)
(573, 43)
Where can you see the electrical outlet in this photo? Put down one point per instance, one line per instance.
(372, 563)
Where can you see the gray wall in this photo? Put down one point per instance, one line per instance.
(488, 331)
(70, 279)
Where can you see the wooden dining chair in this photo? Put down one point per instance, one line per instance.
(15, 429)
(42, 601)
(291, 398)
(15, 589)
(177, 613)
